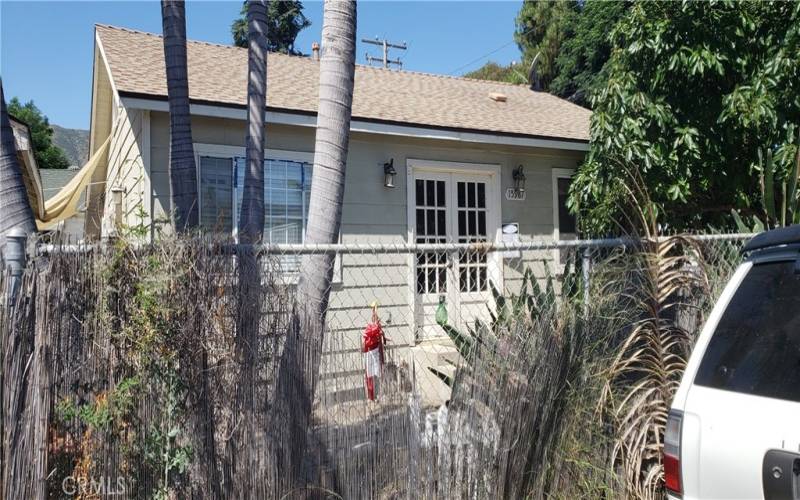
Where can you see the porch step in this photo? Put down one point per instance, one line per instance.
(435, 353)
(448, 369)
(441, 355)
(451, 357)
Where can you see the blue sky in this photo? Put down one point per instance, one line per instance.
(46, 47)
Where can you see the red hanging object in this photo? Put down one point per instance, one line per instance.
(372, 347)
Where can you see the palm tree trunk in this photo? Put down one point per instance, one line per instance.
(14, 205)
(182, 169)
(251, 223)
(250, 442)
(336, 77)
(300, 359)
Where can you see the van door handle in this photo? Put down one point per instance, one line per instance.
(780, 475)
(796, 473)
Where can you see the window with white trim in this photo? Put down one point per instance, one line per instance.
(287, 185)
(287, 189)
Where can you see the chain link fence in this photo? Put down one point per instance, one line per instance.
(177, 368)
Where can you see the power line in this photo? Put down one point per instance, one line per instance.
(480, 58)
(498, 49)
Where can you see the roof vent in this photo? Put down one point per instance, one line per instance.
(498, 97)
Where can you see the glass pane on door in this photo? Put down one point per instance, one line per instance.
(431, 227)
(472, 228)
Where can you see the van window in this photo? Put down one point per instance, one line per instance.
(756, 346)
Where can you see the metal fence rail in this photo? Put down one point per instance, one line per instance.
(367, 248)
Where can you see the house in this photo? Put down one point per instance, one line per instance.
(455, 145)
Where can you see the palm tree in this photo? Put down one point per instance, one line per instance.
(251, 223)
(251, 438)
(336, 78)
(301, 354)
(14, 203)
(182, 169)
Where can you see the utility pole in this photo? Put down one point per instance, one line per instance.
(386, 46)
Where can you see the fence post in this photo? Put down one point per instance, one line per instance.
(14, 257)
(586, 268)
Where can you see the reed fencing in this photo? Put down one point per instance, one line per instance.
(190, 369)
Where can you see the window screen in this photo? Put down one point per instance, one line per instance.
(566, 221)
(756, 346)
(216, 194)
(287, 185)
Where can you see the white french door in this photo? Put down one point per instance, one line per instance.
(452, 207)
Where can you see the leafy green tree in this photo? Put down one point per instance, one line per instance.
(541, 29)
(285, 19)
(513, 73)
(780, 205)
(694, 91)
(573, 43)
(47, 154)
(581, 60)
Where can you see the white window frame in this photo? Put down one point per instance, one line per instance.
(558, 173)
(232, 152)
(223, 151)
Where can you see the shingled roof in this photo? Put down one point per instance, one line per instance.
(217, 75)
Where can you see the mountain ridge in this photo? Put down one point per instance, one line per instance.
(74, 142)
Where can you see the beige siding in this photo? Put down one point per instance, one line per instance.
(127, 170)
(375, 214)
(159, 169)
(101, 127)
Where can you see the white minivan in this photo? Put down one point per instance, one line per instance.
(734, 428)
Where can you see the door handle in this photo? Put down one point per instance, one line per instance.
(780, 475)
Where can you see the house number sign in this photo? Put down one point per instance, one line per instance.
(514, 194)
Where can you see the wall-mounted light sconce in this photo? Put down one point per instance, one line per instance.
(519, 180)
(388, 174)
